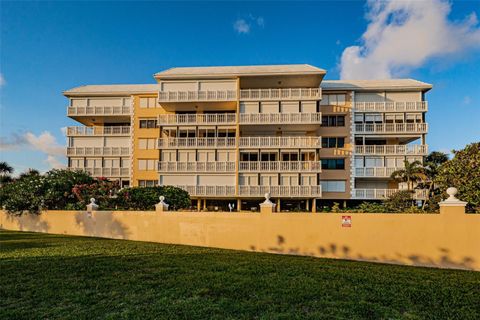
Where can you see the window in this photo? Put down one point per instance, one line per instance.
(146, 164)
(333, 185)
(147, 183)
(146, 144)
(333, 164)
(333, 121)
(289, 156)
(268, 156)
(333, 142)
(148, 123)
(333, 99)
(148, 102)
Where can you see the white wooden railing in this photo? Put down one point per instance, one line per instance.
(392, 150)
(197, 119)
(281, 191)
(380, 194)
(391, 106)
(196, 143)
(375, 171)
(281, 94)
(209, 190)
(196, 166)
(185, 96)
(280, 142)
(99, 111)
(280, 166)
(391, 128)
(281, 118)
(254, 191)
(99, 131)
(106, 172)
(98, 151)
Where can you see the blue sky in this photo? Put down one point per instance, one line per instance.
(47, 47)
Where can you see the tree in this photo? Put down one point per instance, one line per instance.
(5, 171)
(431, 165)
(145, 198)
(463, 173)
(29, 172)
(411, 173)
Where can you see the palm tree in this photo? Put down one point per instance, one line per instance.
(28, 173)
(411, 173)
(432, 163)
(5, 171)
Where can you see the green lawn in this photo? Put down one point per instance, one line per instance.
(53, 276)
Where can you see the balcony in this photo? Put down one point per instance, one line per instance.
(99, 111)
(99, 131)
(417, 150)
(280, 191)
(178, 143)
(380, 172)
(216, 191)
(196, 167)
(106, 172)
(190, 96)
(280, 166)
(280, 142)
(281, 118)
(98, 151)
(399, 128)
(197, 119)
(415, 106)
(281, 94)
(381, 194)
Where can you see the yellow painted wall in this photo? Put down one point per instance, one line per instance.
(144, 133)
(450, 239)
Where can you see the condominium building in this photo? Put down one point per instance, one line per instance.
(232, 134)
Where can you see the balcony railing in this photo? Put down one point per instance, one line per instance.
(197, 143)
(216, 191)
(392, 150)
(98, 151)
(281, 118)
(99, 131)
(106, 172)
(186, 96)
(280, 142)
(99, 111)
(281, 191)
(281, 94)
(254, 191)
(196, 166)
(380, 194)
(197, 119)
(280, 166)
(383, 172)
(372, 128)
(391, 106)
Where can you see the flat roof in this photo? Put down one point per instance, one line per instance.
(393, 84)
(113, 89)
(235, 71)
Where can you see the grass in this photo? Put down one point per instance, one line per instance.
(54, 276)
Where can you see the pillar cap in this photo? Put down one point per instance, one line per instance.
(452, 201)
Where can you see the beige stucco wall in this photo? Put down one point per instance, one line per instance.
(450, 239)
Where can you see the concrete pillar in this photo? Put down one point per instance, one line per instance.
(278, 205)
(314, 205)
(267, 207)
(161, 206)
(307, 205)
(344, 204)
(452, 205)
(239, 205)
(199, 204)
(204, 204)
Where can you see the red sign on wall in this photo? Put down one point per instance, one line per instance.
(346, 221)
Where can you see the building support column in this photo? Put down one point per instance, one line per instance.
(344, 204)
(205, 204)
(278, 205)
(308, 205)
(199, 204)
(314, 205)
(239, 205)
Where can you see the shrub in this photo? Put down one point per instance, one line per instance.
(399, 201)
(103, 190)
(137, 198)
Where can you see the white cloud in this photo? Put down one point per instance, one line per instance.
(2, 80)
(241, 26)
(45, 143)
(54, 163)
(404, 34)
